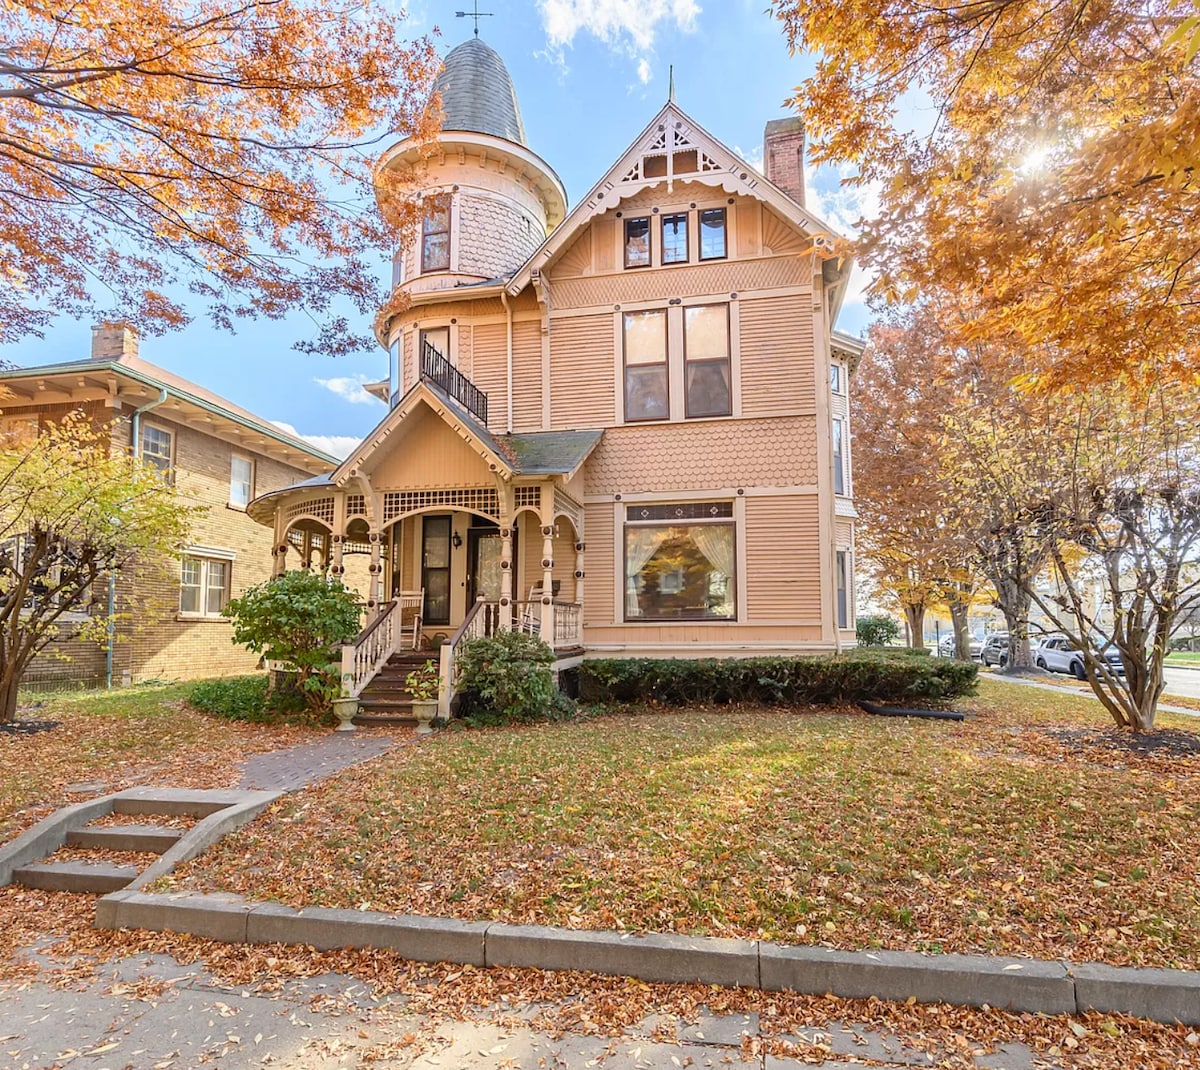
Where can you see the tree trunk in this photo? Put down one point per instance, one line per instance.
(8, 694)
(914, 619)
(1014, 604)
(962, 638)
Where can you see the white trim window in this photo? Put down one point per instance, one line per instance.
(680, 562)
(158, 448)
(835, 378)
(241, 481)
(839, 456)
(845, 585)
(204, 585)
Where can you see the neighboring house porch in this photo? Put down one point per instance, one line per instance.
(467, 532)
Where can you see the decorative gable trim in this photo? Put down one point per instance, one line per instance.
(676, 140)
(421, 394)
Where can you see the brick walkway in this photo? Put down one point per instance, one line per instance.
(298, 767)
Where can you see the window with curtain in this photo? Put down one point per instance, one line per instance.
(681, 571)
(712, 234)
(706, 360)
(646, 396)
(435, 235)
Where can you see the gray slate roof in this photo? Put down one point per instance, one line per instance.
(478, 94)
(550, 453)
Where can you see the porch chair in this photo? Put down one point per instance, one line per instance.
(529, 620)
(411, 610)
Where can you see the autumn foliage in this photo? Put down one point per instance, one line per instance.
(161, 152)
(1034, 159)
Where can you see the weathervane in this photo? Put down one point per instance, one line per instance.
(475, 14)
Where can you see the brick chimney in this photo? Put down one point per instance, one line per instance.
(114, 341)
(783, 155)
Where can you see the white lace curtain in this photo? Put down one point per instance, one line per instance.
(640, 546)
(715, 541)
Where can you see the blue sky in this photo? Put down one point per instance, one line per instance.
(589, 75)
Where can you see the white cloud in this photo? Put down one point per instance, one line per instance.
(626, 26)
(337, 445)
(754, 157)
(350, 388)
(843, 207)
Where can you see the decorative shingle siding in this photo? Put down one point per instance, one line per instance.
(723, 453)
(494, 236)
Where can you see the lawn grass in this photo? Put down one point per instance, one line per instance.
(1184, 657)
(113, 739)
(806, 826)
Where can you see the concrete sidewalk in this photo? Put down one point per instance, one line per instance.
(151, 1013)
(1020, 681)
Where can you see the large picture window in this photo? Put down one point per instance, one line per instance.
(646, 393)
(435, 235)
(680, 570)
(706, 360)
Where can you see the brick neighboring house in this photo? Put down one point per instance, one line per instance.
(644, 395)
(218, 455)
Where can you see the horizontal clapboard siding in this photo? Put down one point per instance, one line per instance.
(783, 559)
(777, 355)
(599, 564)
(527, 376)
(581, 372)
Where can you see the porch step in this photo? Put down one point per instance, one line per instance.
(97, 877)
(367, 720)
(153, 839)
(369, 701)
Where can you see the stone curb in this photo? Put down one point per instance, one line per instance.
(1024, 985)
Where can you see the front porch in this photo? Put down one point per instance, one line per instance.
(447, 532)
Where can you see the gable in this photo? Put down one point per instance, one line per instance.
(424, 451)
(671, 151)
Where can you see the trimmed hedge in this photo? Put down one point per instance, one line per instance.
(875, 676)
(250, 698)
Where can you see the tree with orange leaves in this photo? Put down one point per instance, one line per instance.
(151, 145)
(1057, 189)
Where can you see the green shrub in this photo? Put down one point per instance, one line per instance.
(249, 698)
(876, 676)
(506, 677)
(876, 629)
(301, 619)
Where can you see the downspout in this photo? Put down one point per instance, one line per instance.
(135, 426)
(508, 354)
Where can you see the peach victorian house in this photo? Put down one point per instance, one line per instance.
(624, 427)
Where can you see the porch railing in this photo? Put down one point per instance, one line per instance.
(483, 619)
(369, 652)
(437, 369)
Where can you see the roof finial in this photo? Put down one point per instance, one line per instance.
(671, 85)
(474, 13)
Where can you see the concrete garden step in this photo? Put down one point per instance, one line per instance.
(98, 877)
(173, 802)
(153, 839)
(369, 701)
(369, 719)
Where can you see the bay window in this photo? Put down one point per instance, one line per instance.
(680, 562)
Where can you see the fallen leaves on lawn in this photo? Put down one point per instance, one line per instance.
(800, 826)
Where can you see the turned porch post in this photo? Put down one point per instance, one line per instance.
(375, 569)
(506, 574)
(548, 584)
(580, 547)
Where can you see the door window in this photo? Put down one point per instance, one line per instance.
(435, 568)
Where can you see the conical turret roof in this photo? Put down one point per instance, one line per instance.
(478, 94)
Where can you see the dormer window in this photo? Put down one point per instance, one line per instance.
(435, 235)
(637, 242)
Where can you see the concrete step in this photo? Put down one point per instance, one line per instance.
(97, 877)
(367, 720)
(154, 839)
(369, 701)
(173, 802)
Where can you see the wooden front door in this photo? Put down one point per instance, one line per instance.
(435, 568)
(483, 565)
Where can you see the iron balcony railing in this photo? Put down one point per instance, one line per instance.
(437, 369)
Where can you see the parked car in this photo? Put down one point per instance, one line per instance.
(1058, 653)
(946, 646)
(995, 649)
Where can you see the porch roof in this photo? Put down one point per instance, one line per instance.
(527, 454)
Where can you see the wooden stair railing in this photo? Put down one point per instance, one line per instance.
(370, 651)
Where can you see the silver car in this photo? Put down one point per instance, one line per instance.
(995, 649)
(1058, 653)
